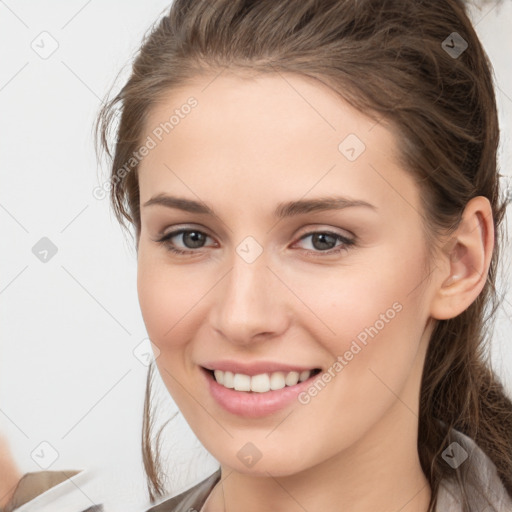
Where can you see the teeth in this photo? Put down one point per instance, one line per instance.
(242, 382)
(219, 376)
(260, 383)
(228, 380)
(304, 375)
(277, 381)
(292, 378)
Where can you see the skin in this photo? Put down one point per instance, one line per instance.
(249, 144)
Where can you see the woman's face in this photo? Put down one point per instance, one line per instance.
(270, 280)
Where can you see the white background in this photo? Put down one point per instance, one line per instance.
(68, 374)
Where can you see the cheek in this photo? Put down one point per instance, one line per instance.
(156, 310)
(372, 320)
(161, 298)
(372, 298)
(167, 308)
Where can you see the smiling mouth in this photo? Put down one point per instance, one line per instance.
(261, 383)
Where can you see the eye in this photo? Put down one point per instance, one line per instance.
(191, 238)
(323, 242)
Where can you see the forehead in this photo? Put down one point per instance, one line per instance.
(282, 131)
(284, 104)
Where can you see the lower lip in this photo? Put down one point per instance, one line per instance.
(252, 404)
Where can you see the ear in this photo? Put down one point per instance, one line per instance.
(464, 262)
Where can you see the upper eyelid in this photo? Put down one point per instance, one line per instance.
(180, 231)
(319, 227)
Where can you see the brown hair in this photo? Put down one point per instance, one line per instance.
(387, 60)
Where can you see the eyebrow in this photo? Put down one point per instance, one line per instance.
(283, 210)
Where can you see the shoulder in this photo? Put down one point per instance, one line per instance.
(191, 499)
(484, 488)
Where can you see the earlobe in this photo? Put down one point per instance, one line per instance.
(465, 261)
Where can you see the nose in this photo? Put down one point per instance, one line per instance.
(250, 303)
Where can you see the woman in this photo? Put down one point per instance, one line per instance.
(316, 206)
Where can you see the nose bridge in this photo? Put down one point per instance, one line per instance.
(247, 303)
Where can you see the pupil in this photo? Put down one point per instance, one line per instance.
(195, 237)
(321, 237)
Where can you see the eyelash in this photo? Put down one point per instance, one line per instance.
(346, 243)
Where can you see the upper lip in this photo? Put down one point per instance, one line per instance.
(254, 368)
